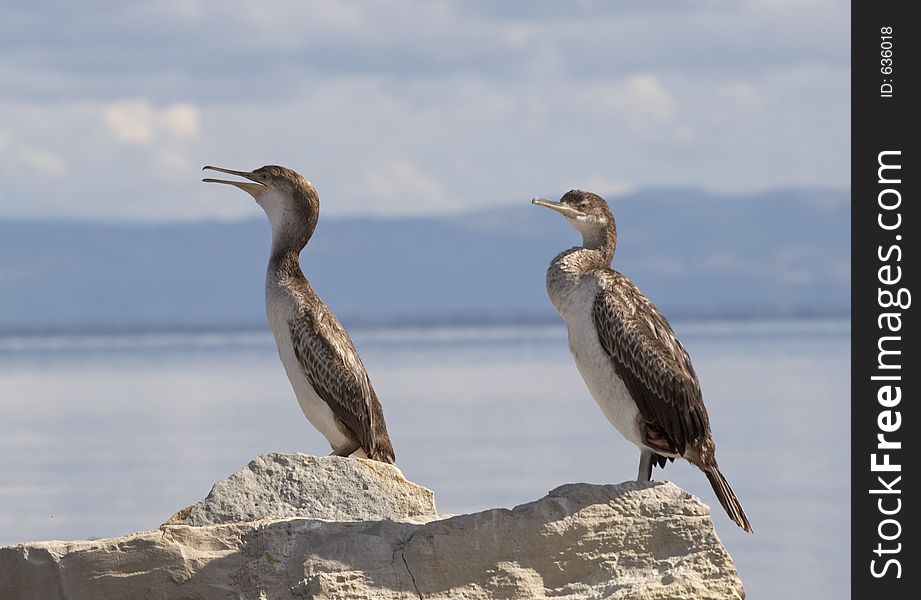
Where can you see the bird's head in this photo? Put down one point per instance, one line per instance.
(588, 213)
(290, 201)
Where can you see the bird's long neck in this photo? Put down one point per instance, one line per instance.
(284, 264)
(601, 242)
(597, 250)
(293, 220)
(287, 244)
(288, 240)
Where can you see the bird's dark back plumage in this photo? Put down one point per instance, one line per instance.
(652, 362)
(334, 369)
(657, 371)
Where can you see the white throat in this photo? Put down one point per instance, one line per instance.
(278, 208)
(592, 229)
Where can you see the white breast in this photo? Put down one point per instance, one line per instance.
(574, 298)
(280, 310)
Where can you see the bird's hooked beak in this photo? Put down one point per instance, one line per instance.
(565, 210)
(253, 189)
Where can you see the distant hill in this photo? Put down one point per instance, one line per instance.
(693, 253)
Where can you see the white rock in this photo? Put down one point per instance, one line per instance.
(633, 540)
(278, 486)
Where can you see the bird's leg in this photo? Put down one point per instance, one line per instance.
(645, 470)
(345, 450)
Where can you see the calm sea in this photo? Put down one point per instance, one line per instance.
(105, 435)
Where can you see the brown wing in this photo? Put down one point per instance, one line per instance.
(334, 369)
(651, 361)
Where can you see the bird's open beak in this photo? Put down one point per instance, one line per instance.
(566, 211)
(253, 189)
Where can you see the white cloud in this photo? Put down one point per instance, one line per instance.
(606, 187)
(649, 97)
(181, 120)
(139, 122)
(489, 103)
(399, 186)
(739, 95)
(35, 159)
(42, 160)
(131, 122)
(641, 106)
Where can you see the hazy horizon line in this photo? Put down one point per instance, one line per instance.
(345, 216)
(424, 322)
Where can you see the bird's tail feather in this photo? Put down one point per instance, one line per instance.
(383, 451)
(727, 498)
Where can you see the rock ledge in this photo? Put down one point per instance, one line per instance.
(279, 486)
(293, 526)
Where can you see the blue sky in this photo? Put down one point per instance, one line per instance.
(108, 109)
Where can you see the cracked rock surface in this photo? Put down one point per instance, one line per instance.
(278, 486)
(293, 526)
